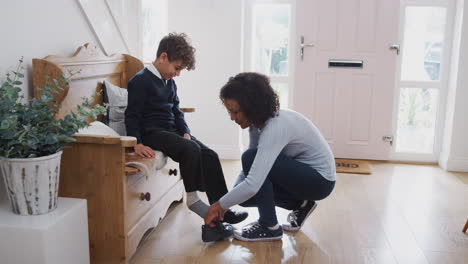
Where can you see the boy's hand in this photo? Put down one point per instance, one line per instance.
(144, 151)
(187, 136)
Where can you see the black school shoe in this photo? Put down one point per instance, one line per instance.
(219, 232)
(234, 217)
(297, 217)
(257, 232)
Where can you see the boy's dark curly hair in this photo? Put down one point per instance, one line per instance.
(257, 99)
(177, 47)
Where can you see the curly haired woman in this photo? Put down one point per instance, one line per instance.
(288, 163)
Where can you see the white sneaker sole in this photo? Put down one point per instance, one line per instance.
(240, 237)
(289, 228)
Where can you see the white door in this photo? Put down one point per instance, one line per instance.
(351, 106)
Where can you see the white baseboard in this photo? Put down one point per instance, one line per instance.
(457, 164)
(227, 151)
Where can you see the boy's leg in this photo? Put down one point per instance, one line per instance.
(193, 157)
(215, 182)
(212, 173)
(186, 152)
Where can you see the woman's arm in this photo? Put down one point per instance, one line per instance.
(273, 138)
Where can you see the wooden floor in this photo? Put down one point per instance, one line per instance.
(406, 214)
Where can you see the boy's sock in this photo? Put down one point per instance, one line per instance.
(196, 205)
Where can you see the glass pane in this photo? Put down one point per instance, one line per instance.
(154, 26)
(416, 120)
(423, 43)
(271, 38)
(282, 91)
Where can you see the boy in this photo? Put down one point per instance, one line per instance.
(153, 116)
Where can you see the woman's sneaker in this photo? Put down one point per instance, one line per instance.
(297, 217)
(257, 232)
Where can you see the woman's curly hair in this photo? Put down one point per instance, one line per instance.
(257, 99)
(177, 47)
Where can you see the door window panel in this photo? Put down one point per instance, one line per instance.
(154, 26)
(423, 43)
(417, 119)
(271, 38)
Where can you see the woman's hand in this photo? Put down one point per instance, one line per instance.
(216, 212)
(187, 136)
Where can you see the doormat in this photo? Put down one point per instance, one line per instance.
(353, 166)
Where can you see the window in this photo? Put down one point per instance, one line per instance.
(269, 47)
(421, 80)
(423, 43)
(154, 26)
(417, 118)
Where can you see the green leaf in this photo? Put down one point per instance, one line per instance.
(19, 74)
(5, 124)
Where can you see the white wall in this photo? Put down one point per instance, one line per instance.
(215, 28)
(126, 13)
(454, 156)
(35, 29)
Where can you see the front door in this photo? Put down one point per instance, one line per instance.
(351, 103)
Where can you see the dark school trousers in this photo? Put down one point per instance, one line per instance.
(200, 167)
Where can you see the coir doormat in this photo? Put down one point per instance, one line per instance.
(353, 166)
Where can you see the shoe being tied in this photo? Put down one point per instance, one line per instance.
(297, 217)
(234, 217)
(216, 233)
(257, 232)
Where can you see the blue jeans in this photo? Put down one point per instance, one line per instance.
(287, 185)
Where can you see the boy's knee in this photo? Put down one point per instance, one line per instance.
(192, 148)
(211, 153)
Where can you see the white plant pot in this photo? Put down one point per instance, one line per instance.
(32, 183)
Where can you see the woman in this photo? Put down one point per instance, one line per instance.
(288, 163)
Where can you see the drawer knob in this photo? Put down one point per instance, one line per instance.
(145, 196)
(173, 172)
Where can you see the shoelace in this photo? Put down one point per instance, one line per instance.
(292, 217)
(252, 228)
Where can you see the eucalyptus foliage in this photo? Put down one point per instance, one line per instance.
(30, 129)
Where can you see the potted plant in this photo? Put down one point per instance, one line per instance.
(31, 142)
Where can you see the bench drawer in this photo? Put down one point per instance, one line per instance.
(144, 192)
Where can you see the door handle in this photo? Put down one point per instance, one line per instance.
(395, 47)
(302, 46)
